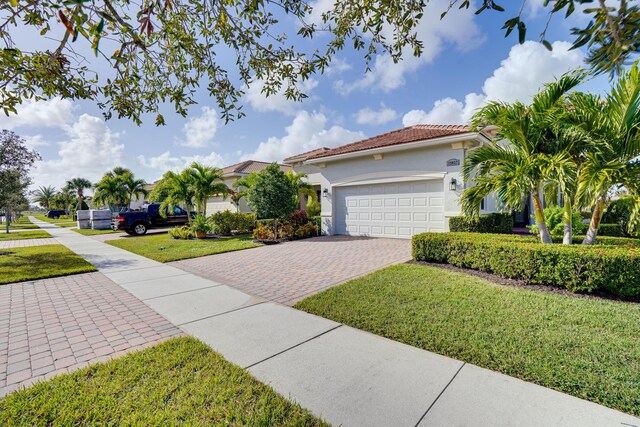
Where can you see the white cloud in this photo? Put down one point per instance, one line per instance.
(337, 66)
(55, 112)
(306, 132)
(520, 76)
(200, 130)
(458, 28)
(367, 116)
(278, 101)
(166, 161)
(88, 151)
(34, 141)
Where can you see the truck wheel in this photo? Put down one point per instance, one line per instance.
(55, 217)
(139, 229)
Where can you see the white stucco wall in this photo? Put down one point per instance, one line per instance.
(416, 164)
(217, 204)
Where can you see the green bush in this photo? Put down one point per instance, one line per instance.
(611, 266)
(619, 212)
(226, 222)
(614, 230)
(500, 223)
(181, 233)
(313, 207)
(554, 216)
(306, 230)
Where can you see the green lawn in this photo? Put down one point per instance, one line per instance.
(90, 232)
(65, 221)
(23, 235)
(39, 262)
(584, 347)
(163, 248)
(21, 223)
(178, 382)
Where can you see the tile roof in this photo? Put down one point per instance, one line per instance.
(249, 166)
(304, 156)
(401, 136)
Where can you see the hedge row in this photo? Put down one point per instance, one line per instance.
(612, 267)
(615, 230)
(500, 223)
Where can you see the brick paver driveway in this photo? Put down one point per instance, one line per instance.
(289, 272)
(58, 325)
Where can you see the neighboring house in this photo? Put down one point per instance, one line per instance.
(138, 200)
(230, 175)
(396, 184)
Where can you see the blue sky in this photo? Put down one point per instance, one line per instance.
(467, 61)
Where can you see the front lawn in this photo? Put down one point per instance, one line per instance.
(64, 221)
(21, 223)
(23, 235)
(91, 232)
(178, 382)
(40, 262)
(163, 248)
(585, 347)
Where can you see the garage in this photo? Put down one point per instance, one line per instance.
(397, 210)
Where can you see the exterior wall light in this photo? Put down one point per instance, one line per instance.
(325, 192)
(453, 185)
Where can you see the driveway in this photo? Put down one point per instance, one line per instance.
(289, 272)
(58, 325)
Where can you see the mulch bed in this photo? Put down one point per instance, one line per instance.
(524, 284)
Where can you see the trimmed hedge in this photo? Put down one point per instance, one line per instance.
(612, 266)
(615, 230)
(498, 223)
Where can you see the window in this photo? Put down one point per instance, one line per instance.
(482, 205)
(177, 210)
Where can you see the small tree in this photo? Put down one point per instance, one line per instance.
(272, 195)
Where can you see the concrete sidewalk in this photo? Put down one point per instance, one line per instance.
(24, 243)
(344, 375)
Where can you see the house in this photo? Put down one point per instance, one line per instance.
(396, 184)
(139, 201)
(230, 175)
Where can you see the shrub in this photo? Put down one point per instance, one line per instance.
(182, 233)
(199, 223)
(313, 207)
(501, 223)
(619, 212)
(306, 230)
(263, 232)
(285, 231)
(298, 218)
(614, 230)
(609, 267)
(226, 222)
(554, 216)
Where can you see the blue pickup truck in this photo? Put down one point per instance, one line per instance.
(138, 222)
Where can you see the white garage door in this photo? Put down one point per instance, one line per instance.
(390, 210)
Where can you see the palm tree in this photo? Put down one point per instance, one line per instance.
(515, 163)
(132, 187)
(206, 181)
(44, 196)
(110, 191)
(79, 185)
(301, 186)
(66, 195)
(175, 189)
(614, 123)
(242, 187)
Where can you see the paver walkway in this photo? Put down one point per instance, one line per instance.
(344, 375)
(289, 272)
(61, 324)
(6, 244)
